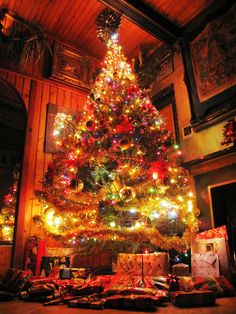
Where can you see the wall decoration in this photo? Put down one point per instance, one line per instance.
(153, 64)
(164, 101)
(26, 42)
(164, 67)
(229, 133)
(52, 111)
(71, 67)
(210, 70)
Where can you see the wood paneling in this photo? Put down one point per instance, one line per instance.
(5, 258)
(179, 12)
(36, 94)
(74, 22)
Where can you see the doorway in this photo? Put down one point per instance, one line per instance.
(12, 139)
(223, 202)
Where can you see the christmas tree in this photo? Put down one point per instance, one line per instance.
(116, 176)
(7, 213)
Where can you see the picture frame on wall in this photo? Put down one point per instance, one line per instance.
(164, 67)
(52, 111)
(209, 61)
(72, 67)
(165, 103)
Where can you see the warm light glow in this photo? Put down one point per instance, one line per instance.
(117, 174)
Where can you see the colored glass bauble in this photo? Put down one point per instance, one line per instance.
(91, 141)
(90, 125)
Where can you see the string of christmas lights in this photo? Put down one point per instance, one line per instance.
(117, 175)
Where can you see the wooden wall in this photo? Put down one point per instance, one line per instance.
(36, 93)
(5, 260)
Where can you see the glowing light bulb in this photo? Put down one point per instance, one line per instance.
(56, 132)
(155, 175)
(112, 224)
(156, 215)
(164, 203)
(57, 221)
(190, 206)
(180, 198)
(137, 224)
(133, 210)
(172, 214)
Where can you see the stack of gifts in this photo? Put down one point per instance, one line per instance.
(155, 264)
(210, 253)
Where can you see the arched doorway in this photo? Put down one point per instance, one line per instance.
(12, 139)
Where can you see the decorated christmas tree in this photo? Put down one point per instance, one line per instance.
(7, 212)
(116, 177)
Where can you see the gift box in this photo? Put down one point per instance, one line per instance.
(216, 245)
(180, 269)
(193, 298)
(220, 232)
(205, 264)
(53, 264)
(156, 264)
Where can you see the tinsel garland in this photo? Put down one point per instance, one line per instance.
(117, 174)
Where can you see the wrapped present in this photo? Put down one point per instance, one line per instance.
(205, 264)
(51, 265)
(14, 280)
(220, 232)
(65, 273)
(85, 302)
(193, 298)
(156, 264)
(180, 269)
(42, 290)
(216, 245)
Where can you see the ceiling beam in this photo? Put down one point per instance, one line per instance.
(142, 15)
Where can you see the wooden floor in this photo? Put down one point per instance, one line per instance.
(223, 306)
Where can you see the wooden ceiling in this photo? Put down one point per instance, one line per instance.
(74, 21)
(179, 12)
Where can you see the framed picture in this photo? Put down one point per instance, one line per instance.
(210, 76)
(153, 64)
(164, 101)
(52, 111)
(72, 67)
(164, 67)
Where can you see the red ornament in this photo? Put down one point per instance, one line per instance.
(125, 126)
(133, 89)
(158, 167)
(90, 125)
(91, 141)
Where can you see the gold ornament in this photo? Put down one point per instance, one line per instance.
(125, 144)
(127, 193)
